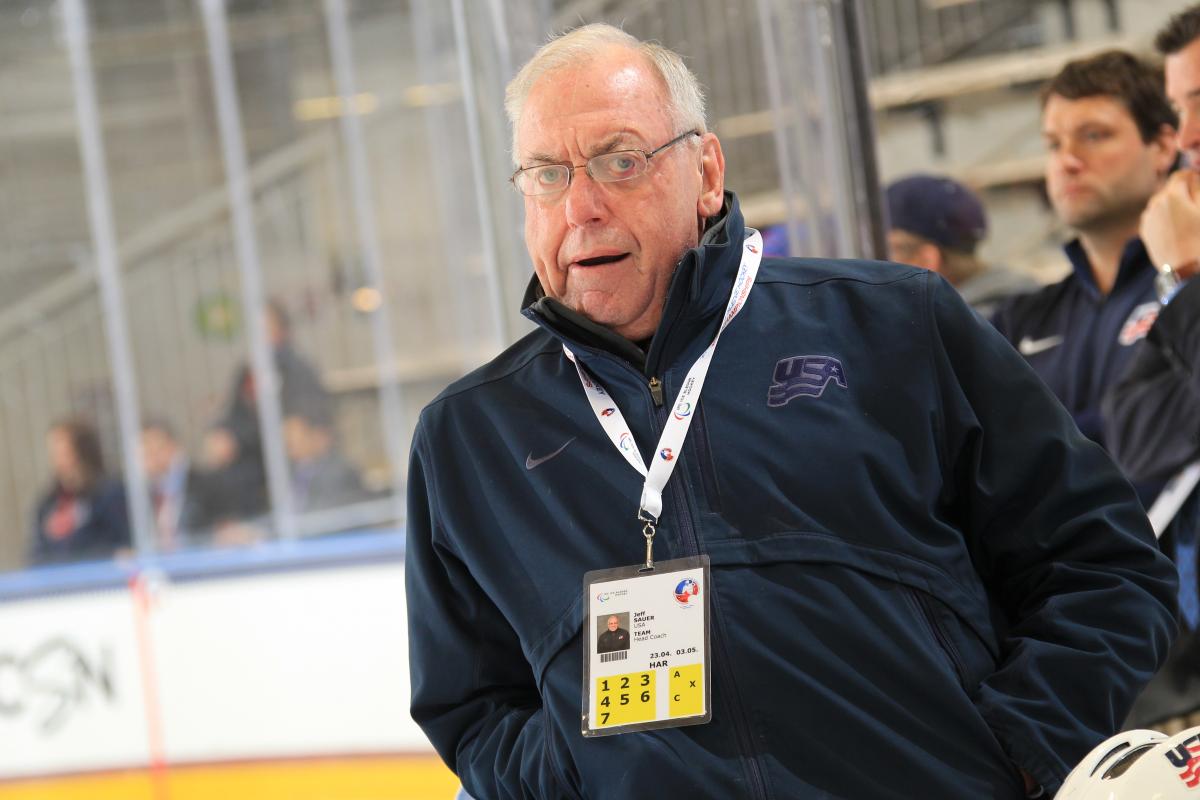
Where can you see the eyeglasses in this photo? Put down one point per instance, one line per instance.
(621, 165)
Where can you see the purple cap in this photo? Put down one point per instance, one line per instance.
(938, 209)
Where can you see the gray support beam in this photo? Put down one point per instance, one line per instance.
(108, 272)
(237, 180)
(391, 407)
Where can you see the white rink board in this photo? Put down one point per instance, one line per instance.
(288, 664)
(71, 696)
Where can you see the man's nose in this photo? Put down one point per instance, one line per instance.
(1064, 161)
(585, 200)
(1189, 134)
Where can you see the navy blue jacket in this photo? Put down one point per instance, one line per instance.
(923, 576)
(1153, 428)
(1097, 336)
(101, 529)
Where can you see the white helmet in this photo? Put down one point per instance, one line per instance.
(1138, 765)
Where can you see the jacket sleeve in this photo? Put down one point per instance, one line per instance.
(473, 691)
(1083, 600)
(1152, 415)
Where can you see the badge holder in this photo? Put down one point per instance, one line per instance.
(646, 647)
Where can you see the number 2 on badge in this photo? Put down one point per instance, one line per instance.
(625, 699)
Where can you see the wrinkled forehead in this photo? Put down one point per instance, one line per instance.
(614, 95)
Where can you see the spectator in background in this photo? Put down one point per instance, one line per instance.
(1110, 135)
(1153, 413)
(322, 478)
(299, 386)
(178, 493)
(83, 514)
(238, 485)
(937, 224)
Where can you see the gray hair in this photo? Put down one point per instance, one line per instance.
(684, 96)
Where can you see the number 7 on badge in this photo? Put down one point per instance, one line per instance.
(626, 699)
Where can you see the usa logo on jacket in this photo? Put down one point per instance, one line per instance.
(804, 376)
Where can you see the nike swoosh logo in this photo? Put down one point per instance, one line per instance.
(531, 462)
(1029, 347)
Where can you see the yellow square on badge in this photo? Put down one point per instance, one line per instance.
(687, 690)
(625, 699)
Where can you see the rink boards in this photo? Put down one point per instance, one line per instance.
(282, 682)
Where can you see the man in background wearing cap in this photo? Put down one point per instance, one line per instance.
(1110, 136)
(937, 224)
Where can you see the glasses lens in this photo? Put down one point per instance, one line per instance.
(619, 166)
(544, 179)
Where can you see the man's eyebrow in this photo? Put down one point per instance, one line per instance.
(621, 140)
(618, 141)
(543, 158)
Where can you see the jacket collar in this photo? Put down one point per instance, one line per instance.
(1134, 260)
(699, 290)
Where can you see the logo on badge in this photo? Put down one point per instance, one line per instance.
(666, 454)
(685, 591)
(683, 409)
(608, 412)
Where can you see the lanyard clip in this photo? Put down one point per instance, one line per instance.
(649, 528)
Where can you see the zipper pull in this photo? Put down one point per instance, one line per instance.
(656, 392)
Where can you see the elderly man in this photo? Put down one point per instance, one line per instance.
(905, 573)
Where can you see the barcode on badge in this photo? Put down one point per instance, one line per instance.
(620, 655)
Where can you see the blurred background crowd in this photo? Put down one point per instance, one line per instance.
(332, 211)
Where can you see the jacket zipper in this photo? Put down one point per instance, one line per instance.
(691, 547)
(656, 391)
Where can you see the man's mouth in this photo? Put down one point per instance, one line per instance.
(601, 260)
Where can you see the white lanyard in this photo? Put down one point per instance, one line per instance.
(670, 443)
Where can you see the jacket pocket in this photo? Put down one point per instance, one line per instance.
(963, 651)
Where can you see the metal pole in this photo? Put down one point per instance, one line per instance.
(782, 151)
(108, 270)
(390, 401)
(483, 201)
(860, 132)
(233, 149)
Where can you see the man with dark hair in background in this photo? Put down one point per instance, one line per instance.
(937, 224)
(1153, 414)
(1155, 429)
(1110, 135)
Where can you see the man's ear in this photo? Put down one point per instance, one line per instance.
(1167, 145)
(712, 176)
